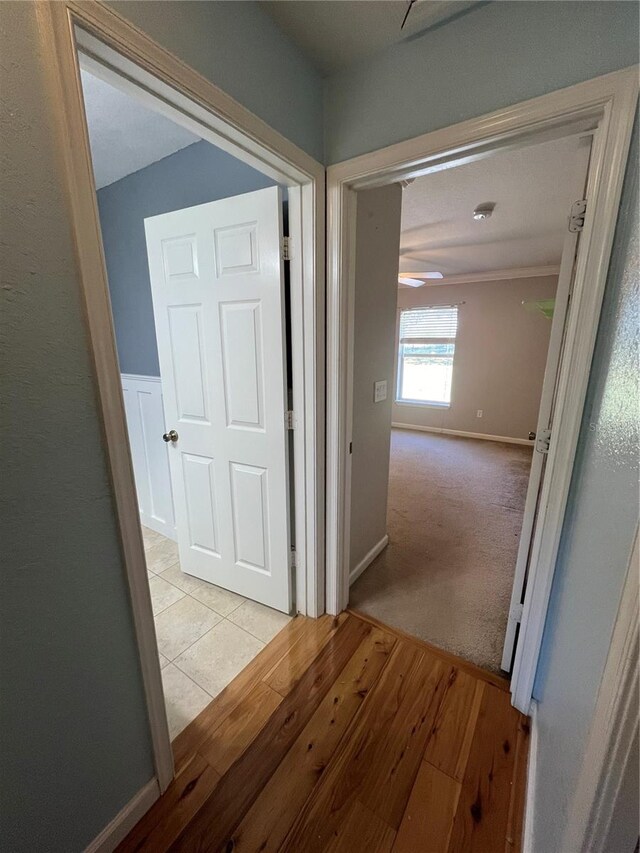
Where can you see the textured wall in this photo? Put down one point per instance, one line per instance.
(501, 353)
(376, 275)
(75, 743)
(495, 55)
(239, 48)
(196, 174)
(597, 538)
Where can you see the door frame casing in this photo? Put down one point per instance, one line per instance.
(66, 28)
(607, 102)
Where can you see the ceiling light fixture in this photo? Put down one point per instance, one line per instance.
(484, 211)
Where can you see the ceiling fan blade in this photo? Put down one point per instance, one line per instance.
(424, 275)
(411, 282)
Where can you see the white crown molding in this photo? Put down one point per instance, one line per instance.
(489, 275)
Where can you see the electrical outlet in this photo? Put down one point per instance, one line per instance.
(380, 391)
(479, 413)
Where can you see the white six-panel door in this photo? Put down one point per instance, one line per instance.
(217, 281)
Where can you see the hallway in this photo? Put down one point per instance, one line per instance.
(454, 517)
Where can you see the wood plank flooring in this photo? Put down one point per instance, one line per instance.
(344, 735)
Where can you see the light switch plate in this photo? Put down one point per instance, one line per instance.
(380, 391)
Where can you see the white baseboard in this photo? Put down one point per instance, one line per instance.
(368, 558)
(483, 435)
(529, 803)
(126, 819)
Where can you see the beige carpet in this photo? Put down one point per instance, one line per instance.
(454, 518)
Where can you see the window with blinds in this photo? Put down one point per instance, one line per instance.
(426, 351)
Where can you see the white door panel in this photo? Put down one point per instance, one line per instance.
(218, 293)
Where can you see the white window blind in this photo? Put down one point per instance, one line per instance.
(423, 325)
(426, 353)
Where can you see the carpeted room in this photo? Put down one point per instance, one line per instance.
(446, 574)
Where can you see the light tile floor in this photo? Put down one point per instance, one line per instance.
(206, 635)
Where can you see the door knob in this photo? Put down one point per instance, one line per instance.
(532, 436)
(172, 435)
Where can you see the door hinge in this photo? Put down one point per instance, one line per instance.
(576, 217)
(516, 612)
(543, 440)
(293, 558)
(287, 249)
(288, 419)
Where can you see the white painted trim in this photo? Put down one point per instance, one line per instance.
(619, 94)
(545, 419)
(532, 769)
(139, 377)
(118, 829)
(98, 28)
(368, 558)
(505, 439)
(606, 103)
(141, 458)
(488, 275)
(615, 722)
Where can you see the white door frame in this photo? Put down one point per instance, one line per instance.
(544, 420)
(131, 60)
(607, 103)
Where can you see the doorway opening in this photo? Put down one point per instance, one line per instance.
(456, 294)
(199, 290)
(603, 108)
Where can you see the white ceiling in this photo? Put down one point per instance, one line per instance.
(531, 191)
(337, 33)
(126, 136)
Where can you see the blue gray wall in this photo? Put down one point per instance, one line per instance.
(497, 54)
(240, 48)
(74, 736)
(597, 538)
(194, 175)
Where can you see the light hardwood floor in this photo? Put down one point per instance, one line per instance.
(344, 735)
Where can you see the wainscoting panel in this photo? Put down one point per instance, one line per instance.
(145, 421)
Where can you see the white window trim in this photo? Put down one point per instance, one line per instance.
(422, 404)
